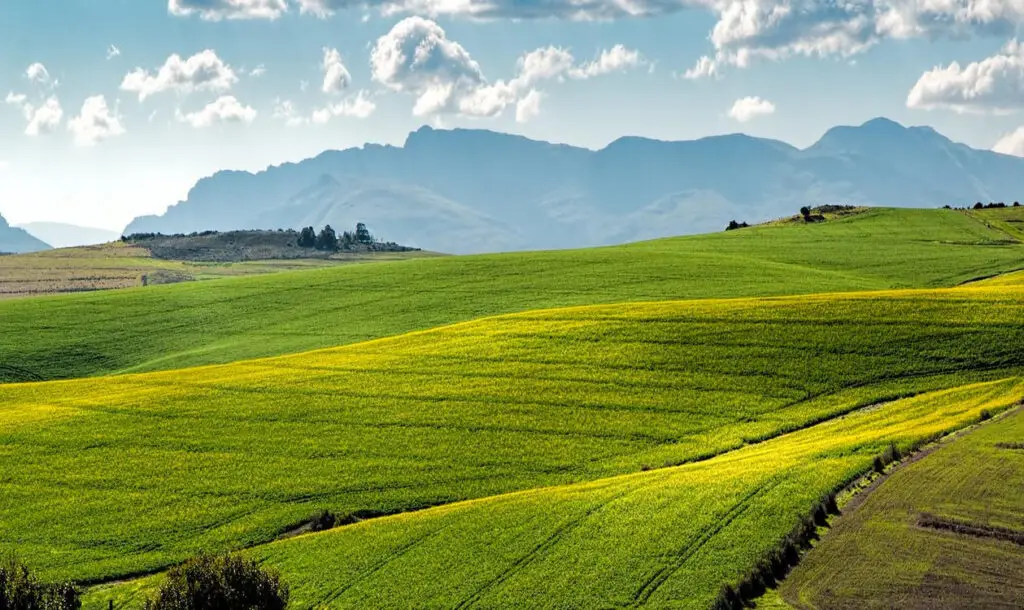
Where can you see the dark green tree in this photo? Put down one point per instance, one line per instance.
(327, 240)
(307, 237)
(805, 211)
(363, 234)
(220, 582)
(20, 590)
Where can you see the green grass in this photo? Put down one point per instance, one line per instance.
(166, 327)
(119, 265)
(879, 553)
(666, 538)
(1008, 220)
(111, 476)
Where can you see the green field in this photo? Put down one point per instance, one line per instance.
(120, 265)
(471, 410)
(666, 538)
(166, 327)
(535, 447)
(903, 544)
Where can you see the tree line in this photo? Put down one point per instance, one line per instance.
(328, 239)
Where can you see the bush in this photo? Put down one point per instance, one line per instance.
(985, 415)
(323, 520)
(733, 225)
(220, 582)
(805, 211)
(19, 590)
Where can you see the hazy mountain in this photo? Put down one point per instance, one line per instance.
(60, 235)
(16, 241)
(475, 190)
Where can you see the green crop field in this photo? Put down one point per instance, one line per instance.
(614, 427)
(166, 327)
(665, 538)
(466, 411)
(944, 532)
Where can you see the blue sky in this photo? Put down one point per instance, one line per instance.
(254, 91)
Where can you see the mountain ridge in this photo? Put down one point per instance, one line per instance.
(475, 190)
(14, 240)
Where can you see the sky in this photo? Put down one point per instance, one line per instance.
(111, 109)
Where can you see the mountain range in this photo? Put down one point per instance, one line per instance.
(463, 191)
(16, 241)
(63, 235)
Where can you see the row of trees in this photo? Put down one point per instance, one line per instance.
(328, 240)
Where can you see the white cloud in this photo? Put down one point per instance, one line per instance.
(705, 67)
(203, 71)
(38, 73)
(336, 75)
(747, 108)
(215, 10)
(113, 51)
(994, 84)
(16, 99)
(615, 59)
(258, 71)
(528, 107)
(1011, 143)
(225, 109)
(44, 119)
(285, 110)
(95, 123)
(417, 58)
(360, 107)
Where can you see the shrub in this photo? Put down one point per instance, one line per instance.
(985, 415)
(20, 590)
(733, 225)
(1016, 204)
(220, 582)
(805, 211)
(322, 520)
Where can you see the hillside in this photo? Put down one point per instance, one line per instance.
(165, 327)
(467, 411)
(120, 265)
(462, 191)
(14, 240)
(944, 532)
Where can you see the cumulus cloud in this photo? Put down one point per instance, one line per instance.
(747, 108)
(360, 107)
(336, 75)
(528, 107)
(203, 71)
(1011, 143)
(38, 73)
(745, 30)
(225, 109)
(95, 123)
(216, 10)
(994, 84)
(42, 119)
(417, 58)
(112, 52)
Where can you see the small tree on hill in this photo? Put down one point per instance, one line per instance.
(363, 235)
(979, 205)
(1016, 204)
(327, 240)
(805, 212)
(307, 237)
(220, 582)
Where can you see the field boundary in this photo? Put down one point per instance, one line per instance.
(851, 497)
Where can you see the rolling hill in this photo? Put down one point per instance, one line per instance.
(471, 410)
(163, 327)
(465, 191)
(15, 241)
